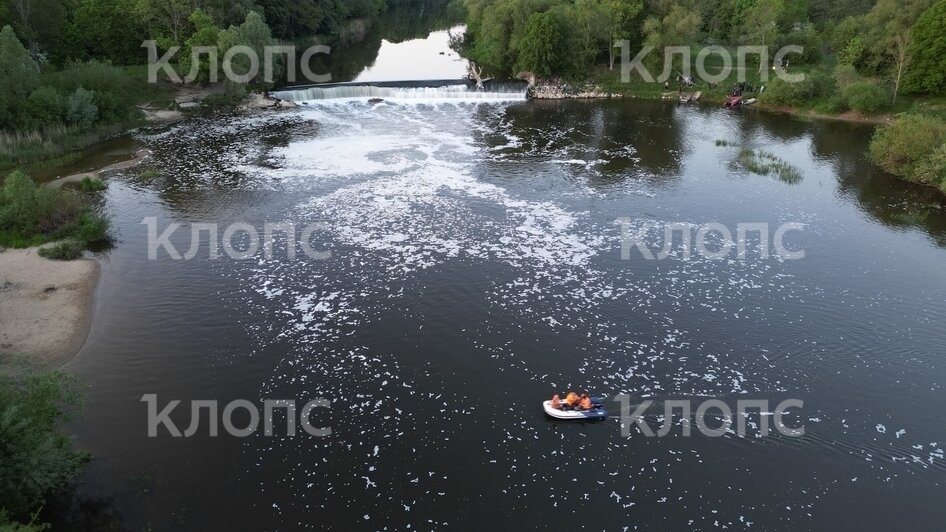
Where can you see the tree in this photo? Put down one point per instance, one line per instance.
(255, 34)
(677, 28)
(205, 33)
(761, 24)
(18, 71)
(620, 14)
(901, 53)
(542, 45)
(168, 19)
(928, 50)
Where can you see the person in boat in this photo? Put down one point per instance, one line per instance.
(585, 402)
(572, 399)
(556, 402)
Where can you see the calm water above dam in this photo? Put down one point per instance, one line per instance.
(476, 268)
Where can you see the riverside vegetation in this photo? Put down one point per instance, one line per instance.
(861, 57)
(36, 458)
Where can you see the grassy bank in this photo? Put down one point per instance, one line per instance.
(32, 215)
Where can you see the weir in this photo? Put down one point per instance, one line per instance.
(430, 90)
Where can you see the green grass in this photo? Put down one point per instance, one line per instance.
(765, 163)
(64, 250)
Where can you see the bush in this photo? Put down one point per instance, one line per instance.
(797, 94)
(31, 215)
(906, 147)
(832, 106)
(82, 110)
(932, 169)
(64, 250)
(845, 75)
(808, 38)
(866, 97)
(91, 185)
(35, 458)
(45, 107)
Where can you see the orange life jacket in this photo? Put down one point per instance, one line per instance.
(585, 403)
(572, 398)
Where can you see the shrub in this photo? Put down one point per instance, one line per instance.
(866, 97)
(35, 458)
(845, 75)
(905, 147)
(82, 110)
(26, 208)
(64, 250)
(32, 214)
(45, 107)
(93, 227)
(932, 169)
(832, 106)
(797, 94)
(808, 38)
(91, 185)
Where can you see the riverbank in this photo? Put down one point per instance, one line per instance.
(96, 175)
(45, 306)
(557, 89)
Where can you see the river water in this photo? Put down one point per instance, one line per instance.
(476, 267)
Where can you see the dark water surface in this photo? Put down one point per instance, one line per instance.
(476, 268)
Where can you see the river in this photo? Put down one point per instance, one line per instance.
(476, 267)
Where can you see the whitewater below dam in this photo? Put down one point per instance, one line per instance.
(475, 268)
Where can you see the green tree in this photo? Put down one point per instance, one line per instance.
(167, 19)
(761, 23)
(677, 28)
(255, 34)
(205, 33)
(928, 51)
(105, 29)
(18, 71)
(542, 45)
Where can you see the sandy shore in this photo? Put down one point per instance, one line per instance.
(45, 306)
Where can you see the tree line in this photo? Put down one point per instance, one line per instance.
(900, 42)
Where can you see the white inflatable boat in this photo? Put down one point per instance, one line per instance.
(598, 412)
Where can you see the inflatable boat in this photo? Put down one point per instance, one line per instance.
(597, 412)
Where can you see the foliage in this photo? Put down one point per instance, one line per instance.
(866, 97)
(911, 148)
(62, 250)
(233, 95)
(561, 37)
(543, 45)
(31, 214)
(808, 38)
(781, 92)
(255, 34)
(844, 74)
(928, 49)
(91, 185)
(932, 169)
(81, 109)
(35, 458)
(205, 33)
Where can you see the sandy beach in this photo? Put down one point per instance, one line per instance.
(45, 306)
